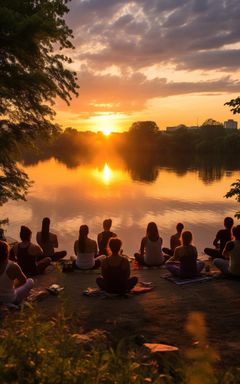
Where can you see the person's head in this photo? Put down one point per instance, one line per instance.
(107, 223)
(114, 245)
(228, 222)
(83, 231)
(152, 231)
(236, 232)
(83, 234)
(179, 228)
(186, 237)
(25, 233)
(4, 252)
(45, 228)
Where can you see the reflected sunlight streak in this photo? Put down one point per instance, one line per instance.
(106, 174)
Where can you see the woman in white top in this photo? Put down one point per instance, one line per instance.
(14, 286)
(151, 253)
(85, 249)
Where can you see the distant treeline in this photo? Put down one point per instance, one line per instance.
(145, 136)
(144, 149)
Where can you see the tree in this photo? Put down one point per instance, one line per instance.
(234, 105)
(144, 127)
(211, 129)
(33, 70)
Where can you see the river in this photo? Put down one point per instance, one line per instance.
(90, 192)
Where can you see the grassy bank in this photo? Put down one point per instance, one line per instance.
(36, 350)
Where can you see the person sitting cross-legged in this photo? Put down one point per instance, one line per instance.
(29, 256)
(151, 253)
(48, 241)
(104, 237)
(115, 271)
(231, 252)
(85, 250)
(184, 262)
(14, 286)
(175, 240)
(221, 239)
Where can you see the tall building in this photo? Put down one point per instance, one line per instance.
(230, 124)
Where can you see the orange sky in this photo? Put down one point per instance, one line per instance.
(168, 61)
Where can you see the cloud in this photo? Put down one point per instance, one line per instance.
(130, 93)
(142, 33)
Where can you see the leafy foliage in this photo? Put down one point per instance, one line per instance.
(33, 71)
(234, 105)
(235, 192)
(14, 183)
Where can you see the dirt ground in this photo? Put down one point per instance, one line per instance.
(159, 315)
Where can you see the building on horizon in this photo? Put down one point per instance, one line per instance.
(230, 124)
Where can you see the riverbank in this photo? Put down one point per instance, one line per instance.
(159, 315)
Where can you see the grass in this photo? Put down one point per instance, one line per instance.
(35, 350)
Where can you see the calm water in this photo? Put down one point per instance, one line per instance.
(87, 194)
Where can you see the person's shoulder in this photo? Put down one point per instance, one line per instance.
(12, 268)
(34, 248)
(125, 260)
(52, 235)
(229, 245)
(179, 248)
(194, 248)
(221, 232)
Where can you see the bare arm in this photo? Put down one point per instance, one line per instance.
(216, 241)
(55, 241)
(37, 251)
(176, 256)
(142, 246)
(76, 247)
(228, 247)
(99, 239)
(15, 273)
(95, 249)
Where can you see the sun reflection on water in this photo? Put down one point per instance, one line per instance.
(106, 174)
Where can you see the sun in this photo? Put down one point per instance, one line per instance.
(105, 123)
(106, 131)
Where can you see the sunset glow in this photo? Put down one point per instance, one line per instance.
(106, 131)
(125, 75)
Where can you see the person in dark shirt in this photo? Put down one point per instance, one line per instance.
(29, 256)
(184, 263)
(231, 265)
(175, 240)
(104, 237)
(115, 271)
(222, 237)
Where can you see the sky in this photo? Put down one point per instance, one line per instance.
(170, 61)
